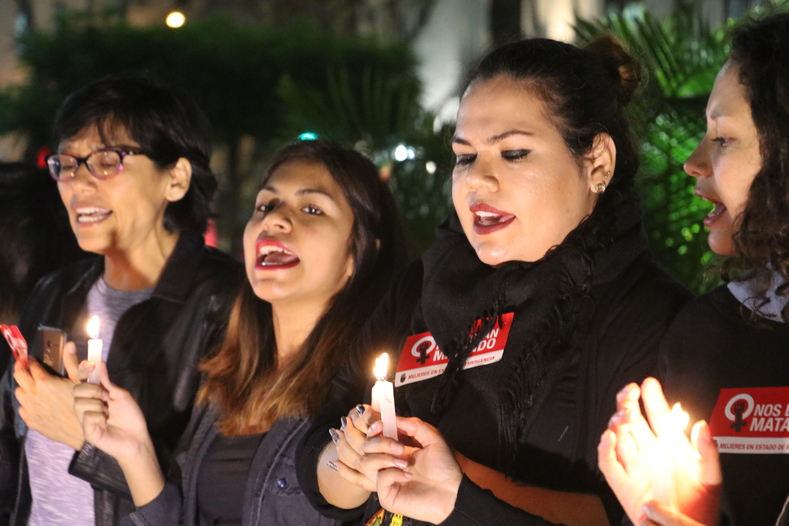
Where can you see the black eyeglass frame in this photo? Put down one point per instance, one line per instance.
(122, 153)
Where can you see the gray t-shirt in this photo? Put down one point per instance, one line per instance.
(60, 499)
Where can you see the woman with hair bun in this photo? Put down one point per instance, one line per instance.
(539, 292)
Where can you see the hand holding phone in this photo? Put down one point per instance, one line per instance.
(53, 341)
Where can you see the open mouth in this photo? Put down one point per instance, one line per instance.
(715, 214)
(88, 215)
(275, 256)
(488, 219)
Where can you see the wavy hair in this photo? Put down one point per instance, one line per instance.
(759, 48)
(243, 380)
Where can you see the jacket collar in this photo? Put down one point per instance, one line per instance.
(176, 279)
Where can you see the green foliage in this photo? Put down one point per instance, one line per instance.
(232, 70)
(682, 55)
(376, 113)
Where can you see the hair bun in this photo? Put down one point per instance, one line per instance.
(626, 71)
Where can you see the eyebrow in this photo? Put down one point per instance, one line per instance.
(496, 138)
(302, 191)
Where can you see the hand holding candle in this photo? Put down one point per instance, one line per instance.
(94, 350)
(383, 397)
(653, 463)
(665, 456)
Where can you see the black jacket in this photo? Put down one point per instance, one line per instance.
(632, 313)
(155, 349)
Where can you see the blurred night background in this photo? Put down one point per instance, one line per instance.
(379, 75)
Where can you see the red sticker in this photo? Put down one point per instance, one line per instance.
(15, 340)
(752, 420)
(421, 358)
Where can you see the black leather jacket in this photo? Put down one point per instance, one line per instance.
(155, 348)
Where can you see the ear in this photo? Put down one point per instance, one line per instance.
(180, 177)
(600, 163)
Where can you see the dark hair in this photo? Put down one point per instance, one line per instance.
(243, 380)
(585, 91)
(167, 125)
(760, 48)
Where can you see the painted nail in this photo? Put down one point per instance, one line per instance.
(332, 465)
(335, 437)
(360, 409)
(343, 423)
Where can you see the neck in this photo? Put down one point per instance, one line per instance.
(139, 268)
(293, 323)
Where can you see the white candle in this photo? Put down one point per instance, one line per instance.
(665, 452)
(383, 397)
(94, 350)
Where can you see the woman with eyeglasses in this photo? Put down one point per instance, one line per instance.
(132, 169)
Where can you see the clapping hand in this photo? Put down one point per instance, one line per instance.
(625, 456)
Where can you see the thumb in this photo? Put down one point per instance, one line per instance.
(422, 432)
(708, 450)
(104, 376)
(71, 362)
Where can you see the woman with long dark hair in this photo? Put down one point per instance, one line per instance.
(726, 357)
(320, 250)
(539, 293)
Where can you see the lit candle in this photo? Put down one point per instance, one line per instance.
(94, 350)
(383, 397)
(666, 450)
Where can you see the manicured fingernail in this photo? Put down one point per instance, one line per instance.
(401, 463)
(398, 448)
(360, 409)
(332, 465)
(343, 423)
(335, 437)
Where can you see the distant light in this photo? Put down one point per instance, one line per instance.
(308, 136)
(175, 19)
(430, 166)
(411, 152)
(401, 152)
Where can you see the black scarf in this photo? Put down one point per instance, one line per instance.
(459, 289)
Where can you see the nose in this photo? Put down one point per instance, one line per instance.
(698, 164)
(277, 220)
(481, 176)
(83, 179)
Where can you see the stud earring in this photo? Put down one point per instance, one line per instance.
(599, 188)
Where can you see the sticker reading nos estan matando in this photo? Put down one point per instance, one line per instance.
(752, 420)
(421, 358)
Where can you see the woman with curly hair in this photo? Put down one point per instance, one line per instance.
(726, 356)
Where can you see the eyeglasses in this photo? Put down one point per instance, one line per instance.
(102, 164)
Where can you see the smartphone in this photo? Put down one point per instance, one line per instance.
(53, 340)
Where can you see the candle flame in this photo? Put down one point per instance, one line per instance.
(381, 366)
(679, 418)
(93, 327)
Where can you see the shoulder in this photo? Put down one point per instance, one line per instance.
(704, 323)
(215, 264)
(644, 299)
(218, 274)
(68, 276)
(51, 288)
